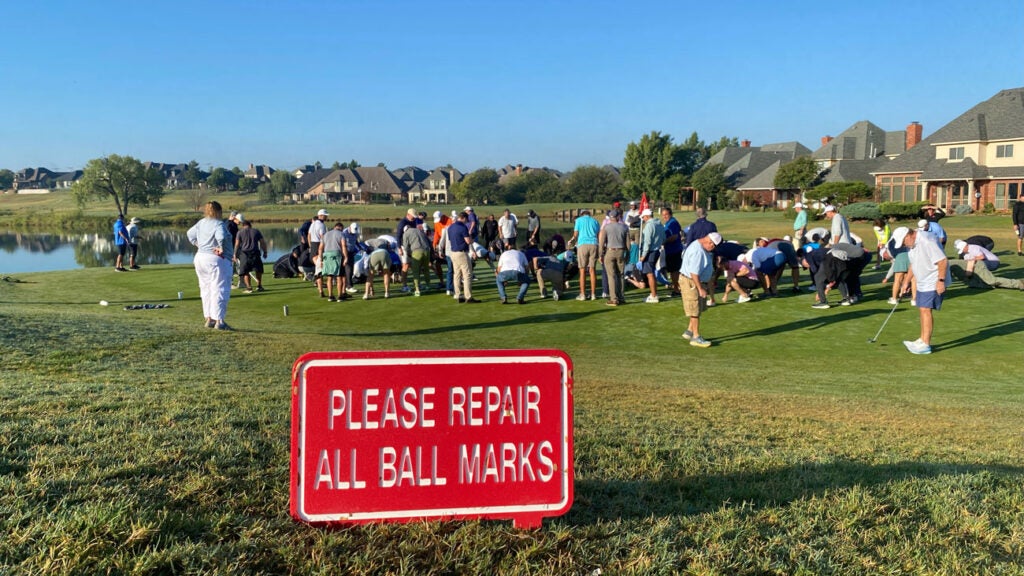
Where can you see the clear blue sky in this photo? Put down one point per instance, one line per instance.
(556, 83)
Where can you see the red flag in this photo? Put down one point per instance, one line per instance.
(643, 202)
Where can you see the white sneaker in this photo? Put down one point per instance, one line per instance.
(448, 292)
(581, 297)
(742, 299)
(351, 290)
(710, 302)
(913, 302)
(893, 301)
(554, 296)
(651, 300)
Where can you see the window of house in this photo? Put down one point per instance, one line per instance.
(886, 193)
(1004, 151)
(1000, 196)
(1013, 191)
(956, 153)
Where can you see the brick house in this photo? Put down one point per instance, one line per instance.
(976, 159)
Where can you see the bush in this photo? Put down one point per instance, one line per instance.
(900, 210)
(990, 208)
(963, 209)
(861, 211)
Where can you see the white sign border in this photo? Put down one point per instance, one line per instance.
(430, 512)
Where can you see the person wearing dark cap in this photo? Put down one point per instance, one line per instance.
(694, 275)
(532, 228)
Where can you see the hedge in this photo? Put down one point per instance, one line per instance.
(900, 210)
(861, 211)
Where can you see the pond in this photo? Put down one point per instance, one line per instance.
(42, 252)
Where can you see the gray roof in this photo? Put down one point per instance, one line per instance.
(763, 180)
(744, 164)
(855, 171)
(1001, 117)
(965, 169)
(310, 179)
(861, 141)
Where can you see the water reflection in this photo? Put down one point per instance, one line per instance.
(23, 252)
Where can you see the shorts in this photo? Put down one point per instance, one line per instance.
(586, 256)
(931, 300)
(769, 267)
(332, 263)
(1020, 231)
(650, 263)
(747, 283)
(122, 248)
(901, 263)
(673, 262)
(693, 304)
(790, 253)
(134, 249)
(249, 262)
(380, 262)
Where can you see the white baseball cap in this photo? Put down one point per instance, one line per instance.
(646, 212)
(437, 216)
(830, 208)
(322, 212)
(899, 234)
(798, 205)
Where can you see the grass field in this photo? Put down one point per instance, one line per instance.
(138, 442)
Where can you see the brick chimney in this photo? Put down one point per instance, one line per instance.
(914, 130)
(826, 139)
(745, 144)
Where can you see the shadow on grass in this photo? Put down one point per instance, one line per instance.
(601, 501)
(503, 323)
(991, 331)
(826, 318)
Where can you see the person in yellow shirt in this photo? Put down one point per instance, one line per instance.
(882, 235)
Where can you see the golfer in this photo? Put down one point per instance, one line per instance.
(213, 264)
(929, 269)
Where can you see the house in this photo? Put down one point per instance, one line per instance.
(435, 187)
(510, 171)
(410, 175)
(304, 183)
(976, 159)
(66, 180)
(363, 185)
(751, 171)
(34, 179)
(862, 149)
(306, 169)
(259, 173)
(174, 174)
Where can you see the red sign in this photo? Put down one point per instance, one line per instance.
(399, 436)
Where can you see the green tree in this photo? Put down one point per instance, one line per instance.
(840, 192)
(478, 187)
(196, 198)
(123, 178)
(217, 179)
(283, 183)
(589, 183)
(6, 179)
(192, 174)
(648, 164)
(266, 193)
(536, 186)
(710, 183)
(247, 185)
(798, 174)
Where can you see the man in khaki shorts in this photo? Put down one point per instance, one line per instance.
(693, 277)
(584, 234)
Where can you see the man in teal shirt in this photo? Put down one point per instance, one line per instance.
(584, 234)
(799, 226)
(652, 237)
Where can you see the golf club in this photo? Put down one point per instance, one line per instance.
(894, 306)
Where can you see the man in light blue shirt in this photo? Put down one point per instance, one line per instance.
(652, 237)
(693, 277)
(799, 225)
(584, 234)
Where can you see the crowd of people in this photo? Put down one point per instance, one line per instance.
(629, 247)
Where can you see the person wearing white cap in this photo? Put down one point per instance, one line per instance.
(652, 237)
(693, 277)
(799, 225)
(980, 276)
(133, 243)
(929, 269)
(473, 223)
(317, 229)
(840, 227)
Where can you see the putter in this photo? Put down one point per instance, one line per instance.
(894, 306)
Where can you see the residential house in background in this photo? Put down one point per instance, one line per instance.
(976, 159)
(259, 173)
(751, 171)
(34, 179)
(304, 183)
(435, 187)
(66, 180)
(410, 175)
(363, 185)
(510, 171)
(306, 169)
(862, 149)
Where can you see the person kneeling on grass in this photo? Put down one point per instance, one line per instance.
(739, 277)
(979, 265)
(512, 267)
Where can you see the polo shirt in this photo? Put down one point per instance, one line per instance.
(457, 233)
(587, 228)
